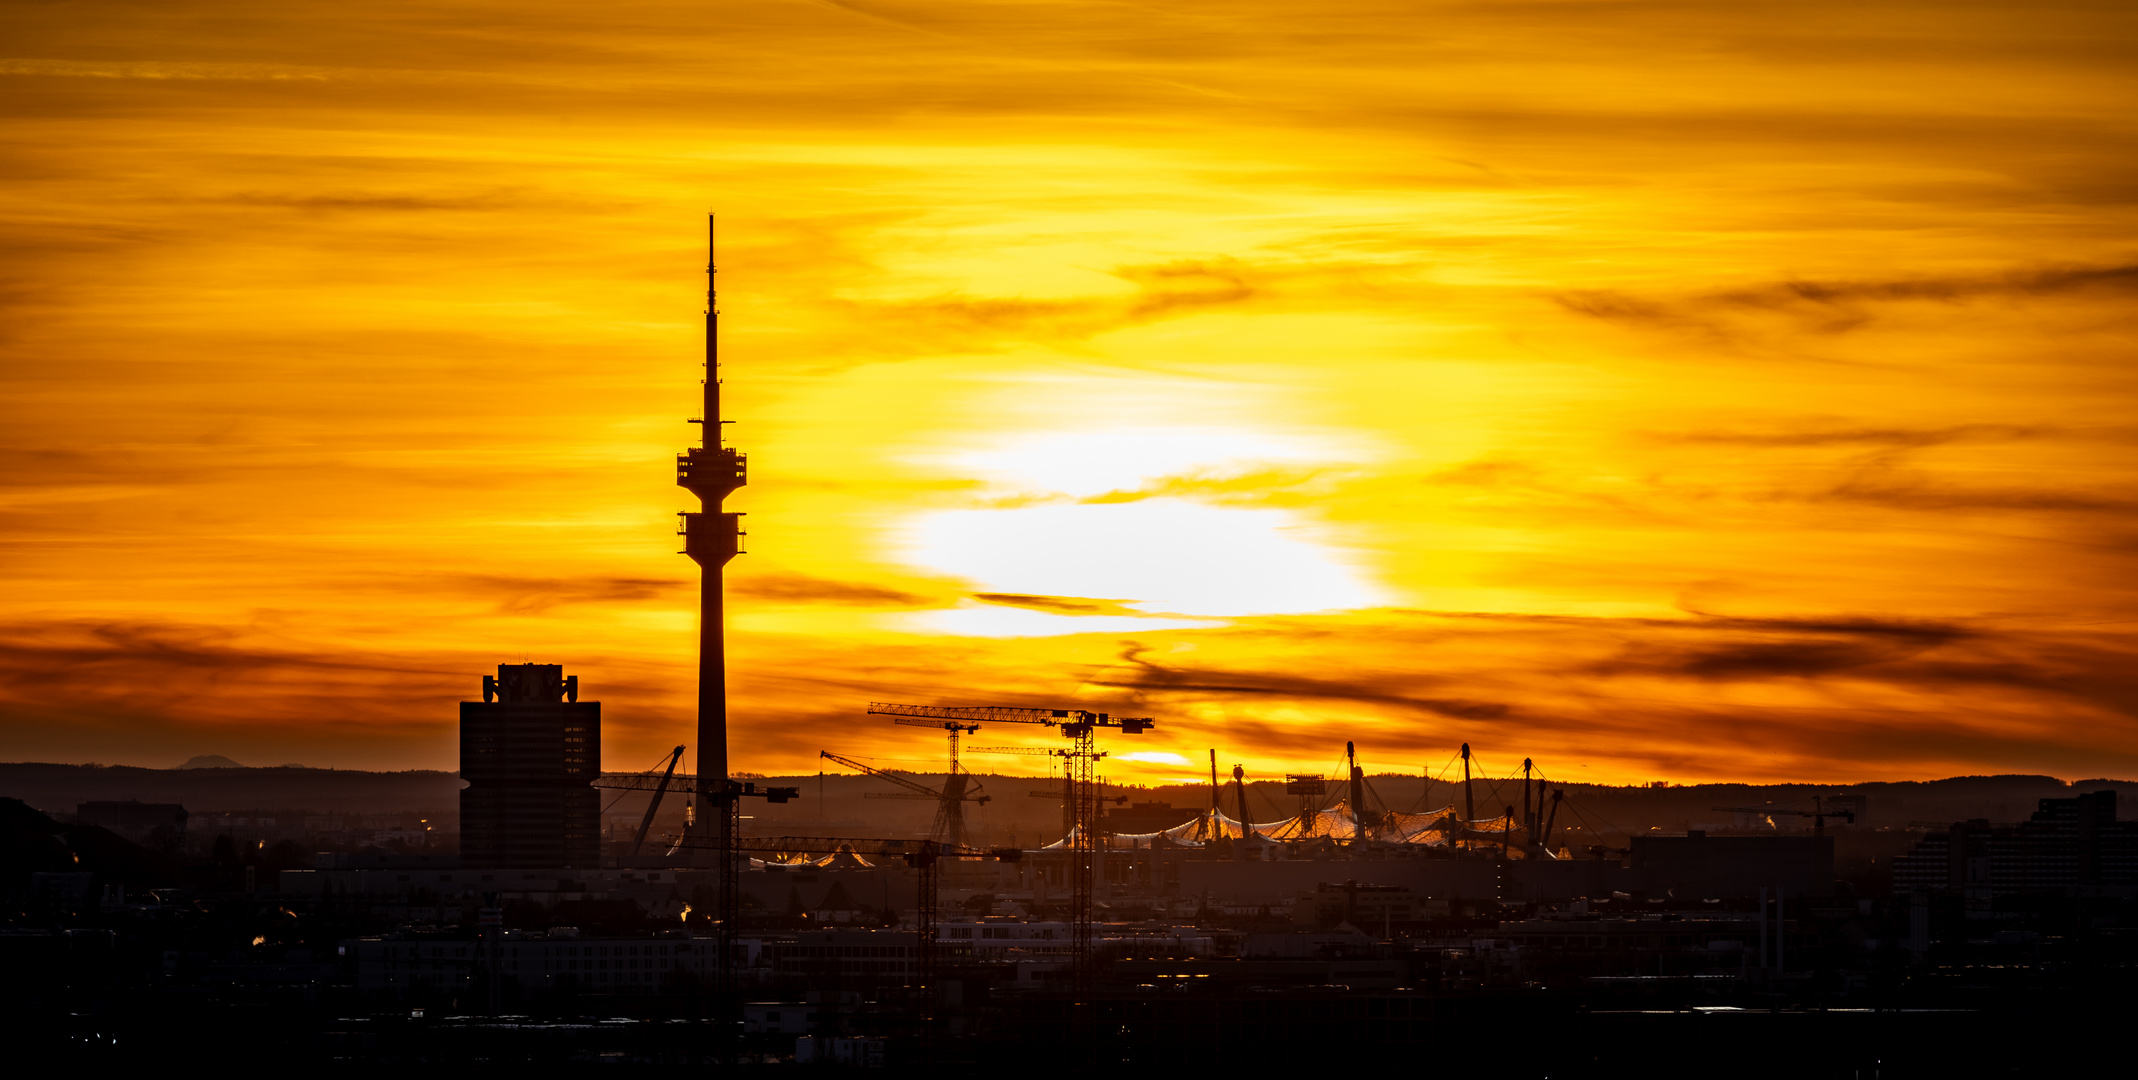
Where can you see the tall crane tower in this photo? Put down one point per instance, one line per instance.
(1079, 726)
(1068, 792)
(949, 824)
(950, 809)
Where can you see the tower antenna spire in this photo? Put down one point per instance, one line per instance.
(713, 338)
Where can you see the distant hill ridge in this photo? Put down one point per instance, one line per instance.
(210, 761)
(58, 789)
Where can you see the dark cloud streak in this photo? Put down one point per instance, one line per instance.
(532, 596)
(1151, 676)
(802, 589)
(1839, 306)
(1071, 605)
(1858, 436)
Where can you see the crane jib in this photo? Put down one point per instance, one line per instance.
(1072, 721)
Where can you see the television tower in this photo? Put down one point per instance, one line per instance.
(711, 537)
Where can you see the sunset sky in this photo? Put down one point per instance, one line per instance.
(1657, 390)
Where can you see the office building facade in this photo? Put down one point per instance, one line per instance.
(529, 752)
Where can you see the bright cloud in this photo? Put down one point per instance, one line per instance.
(1084, 464)
(1173, 556)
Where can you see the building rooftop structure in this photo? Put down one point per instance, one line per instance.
(530, 751)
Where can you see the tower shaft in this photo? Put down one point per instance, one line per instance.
(711, 537)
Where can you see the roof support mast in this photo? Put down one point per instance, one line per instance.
(1469, 798)
(1529, 810)
(1358, 796)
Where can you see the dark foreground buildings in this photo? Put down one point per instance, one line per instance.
(1993, 950)
(1666, 963)
(530, 751)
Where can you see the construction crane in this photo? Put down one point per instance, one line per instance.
(949, 824)
(721, 796)
(639, 839)
(647, 781)
(1818, 814)
(1067, 795)
(1081, 760)
(950, 809)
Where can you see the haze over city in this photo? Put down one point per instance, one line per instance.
(1734, 393)
(1052, 538)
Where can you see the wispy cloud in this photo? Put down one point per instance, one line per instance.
(172, 69)
(957, 322)
(803, 589)
(1836, 306)
(1887, 483)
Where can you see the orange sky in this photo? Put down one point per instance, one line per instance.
(1675, 391)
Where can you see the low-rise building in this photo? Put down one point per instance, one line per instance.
(844, 955)
(415, 961)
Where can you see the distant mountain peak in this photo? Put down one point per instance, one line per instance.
(210, 761)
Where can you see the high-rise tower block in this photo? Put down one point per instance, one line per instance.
(530, 750)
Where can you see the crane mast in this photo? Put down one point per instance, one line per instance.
(653, 806)
(950, 808)
(952, 794)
